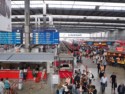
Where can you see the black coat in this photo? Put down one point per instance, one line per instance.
(123, 89)
(77, 79)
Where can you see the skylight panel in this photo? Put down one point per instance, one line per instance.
(111, 8)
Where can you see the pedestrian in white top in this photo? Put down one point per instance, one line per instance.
(90, 77)
(66, 90)
(1, 86)
(103, 82)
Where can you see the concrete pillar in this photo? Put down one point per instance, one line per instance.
(90, 35)
(101, 36)
(96, 35)
(56, 50)
(44, 14)
(36, 23)
(48, 67)
(27, 23)
(50, 21)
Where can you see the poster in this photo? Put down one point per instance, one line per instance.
(55, 79)
(5, 15)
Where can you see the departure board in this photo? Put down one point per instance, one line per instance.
(10, 38)
(45, 38)
(90, 43)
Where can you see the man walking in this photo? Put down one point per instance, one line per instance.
(113, 81)
(1, 86)
(103, 82)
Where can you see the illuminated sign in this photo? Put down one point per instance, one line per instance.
(96, 44)
(75, 34)
(46, 37)
(120, 49)
(10, 38)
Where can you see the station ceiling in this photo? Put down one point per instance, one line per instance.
(74, 15)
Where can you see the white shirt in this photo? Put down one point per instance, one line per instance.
(90, 75)
(65, 88)
(25, 70)
(1, 86)
(97, 56)
(104, 79)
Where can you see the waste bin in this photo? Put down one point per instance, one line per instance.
(20, 84)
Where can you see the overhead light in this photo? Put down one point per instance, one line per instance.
(84, 3)
(112, 8)
(94, 23)
(71, 6)
(74, 17)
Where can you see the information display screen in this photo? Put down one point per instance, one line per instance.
(45, 38)
(10, 38)
(90, 43)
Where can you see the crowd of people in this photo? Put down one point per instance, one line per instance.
(81, 82)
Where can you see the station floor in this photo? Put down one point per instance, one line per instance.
(31, 87)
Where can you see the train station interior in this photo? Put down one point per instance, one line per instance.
(62, 47)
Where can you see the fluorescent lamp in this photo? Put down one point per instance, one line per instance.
(85, 3)
(71, 6)
(74, 17)
(17, 2)
(36, 6)
(17, 6)
(112, 8)
(94, 23)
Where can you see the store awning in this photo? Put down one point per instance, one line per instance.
(27, 57)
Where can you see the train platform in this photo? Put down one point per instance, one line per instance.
(120, 73)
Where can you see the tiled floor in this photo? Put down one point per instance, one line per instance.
(120, 72)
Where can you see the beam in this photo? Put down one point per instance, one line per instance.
(27, 27)
(115, 1)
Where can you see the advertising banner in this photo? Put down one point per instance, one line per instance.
(120, 49)
(5, 15)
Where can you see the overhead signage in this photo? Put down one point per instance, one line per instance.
(90, 43)
(10, 38)
(45, 37)
(120, 49)
(100, 43)
(109, 43)
(74, 35)
(103, 43)
(5, 15)
(96, 44)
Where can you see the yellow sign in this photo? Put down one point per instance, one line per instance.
(103, 43)
(96, 44)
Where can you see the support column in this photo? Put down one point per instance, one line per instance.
(48, 67)
(101, 36)
(91, 36)
(27, 23)
(50, 21)
(44, 15)
(36, 23)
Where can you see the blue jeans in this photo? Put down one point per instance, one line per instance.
(103, 87)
